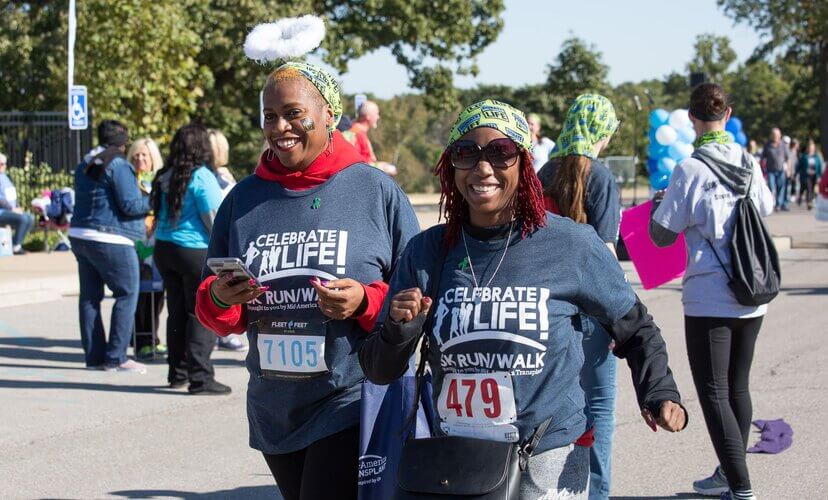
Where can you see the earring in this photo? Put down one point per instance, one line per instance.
(330, 142)
(269, 154)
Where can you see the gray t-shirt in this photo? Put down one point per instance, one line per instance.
(698, 204)
(776, 157)
(526, 322)
(305, 377)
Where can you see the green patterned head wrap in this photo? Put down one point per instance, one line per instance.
(590, 119)
(493, 114)
(324, 82)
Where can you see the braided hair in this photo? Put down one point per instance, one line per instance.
(190, 149)
(527, 203)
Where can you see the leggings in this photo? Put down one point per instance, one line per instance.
(325, 469)
(721, 352)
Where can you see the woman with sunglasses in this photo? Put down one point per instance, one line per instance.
(507, 283)
(578, 186)
(320, 231)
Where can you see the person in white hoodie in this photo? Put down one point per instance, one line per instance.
(720, 332)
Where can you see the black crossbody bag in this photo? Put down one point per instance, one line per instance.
(446, 467)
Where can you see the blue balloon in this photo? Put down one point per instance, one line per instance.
(656, 150)
(734, 125)
(731, 136)
(666, 165)
(742, 139)
(652, 164)
(687, 135)
(659, 180)
(659, 117)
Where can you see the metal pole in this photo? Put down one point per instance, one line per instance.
(70, 65)
(635, 149)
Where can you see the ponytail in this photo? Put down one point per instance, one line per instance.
(568, 187)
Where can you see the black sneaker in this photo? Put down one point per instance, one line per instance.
(175, 384)
(209, 388)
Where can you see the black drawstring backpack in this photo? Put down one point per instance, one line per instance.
(755, 275)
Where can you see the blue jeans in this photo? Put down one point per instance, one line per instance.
(598, 382)
(777, 182)
(115, 266)
(21, 223)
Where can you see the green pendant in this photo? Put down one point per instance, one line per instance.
(316, 203)
(464, 264)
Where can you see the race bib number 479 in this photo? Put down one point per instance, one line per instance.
(479, 405)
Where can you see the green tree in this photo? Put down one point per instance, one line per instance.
(713, 56)
(799, 28)
(758, 93)
(32, 53)
(157, 64)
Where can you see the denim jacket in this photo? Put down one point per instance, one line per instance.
(113, 204)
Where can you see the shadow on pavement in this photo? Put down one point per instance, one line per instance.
(27, 353)
(79, 367)
(246, 492)
(85, 386)
(40, 342)
(677, 495)
(805, 290)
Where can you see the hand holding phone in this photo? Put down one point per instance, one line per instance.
(235, 283)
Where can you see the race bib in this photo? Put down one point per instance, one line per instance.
(478, 405)
(291, 349)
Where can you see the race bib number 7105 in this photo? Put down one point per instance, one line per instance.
(292, 353)
(291, 349)
(480, 405)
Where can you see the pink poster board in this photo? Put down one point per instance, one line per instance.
(655, 265)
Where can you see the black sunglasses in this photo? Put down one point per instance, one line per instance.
(500, 153)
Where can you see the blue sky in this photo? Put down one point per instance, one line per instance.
(638, 39)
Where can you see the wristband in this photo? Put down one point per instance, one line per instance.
(216, 300)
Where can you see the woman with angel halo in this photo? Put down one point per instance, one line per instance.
(325, 276)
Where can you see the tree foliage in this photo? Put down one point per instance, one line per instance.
(156, 65)
(713, 56)
(799, 30)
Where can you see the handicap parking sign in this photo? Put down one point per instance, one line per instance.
(78, 108)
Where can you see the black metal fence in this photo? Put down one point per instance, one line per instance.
(44, 137)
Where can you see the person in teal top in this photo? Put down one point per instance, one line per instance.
(186, 197)
(809, 168)
(192, 227)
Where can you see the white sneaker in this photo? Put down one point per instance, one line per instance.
(231, 343)
(128, 366)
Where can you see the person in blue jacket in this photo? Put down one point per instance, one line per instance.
(108, 219)
(510, 282)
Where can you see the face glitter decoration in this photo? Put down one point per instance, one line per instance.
(307, 124)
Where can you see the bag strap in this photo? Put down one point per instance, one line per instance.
(746, 198)
(433, 288)
(527, 449)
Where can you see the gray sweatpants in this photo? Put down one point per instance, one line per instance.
(562, 473)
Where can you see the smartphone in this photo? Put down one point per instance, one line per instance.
(221, 265)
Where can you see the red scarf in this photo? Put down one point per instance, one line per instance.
(341, 156)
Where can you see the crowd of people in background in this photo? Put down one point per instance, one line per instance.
(793, 173)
